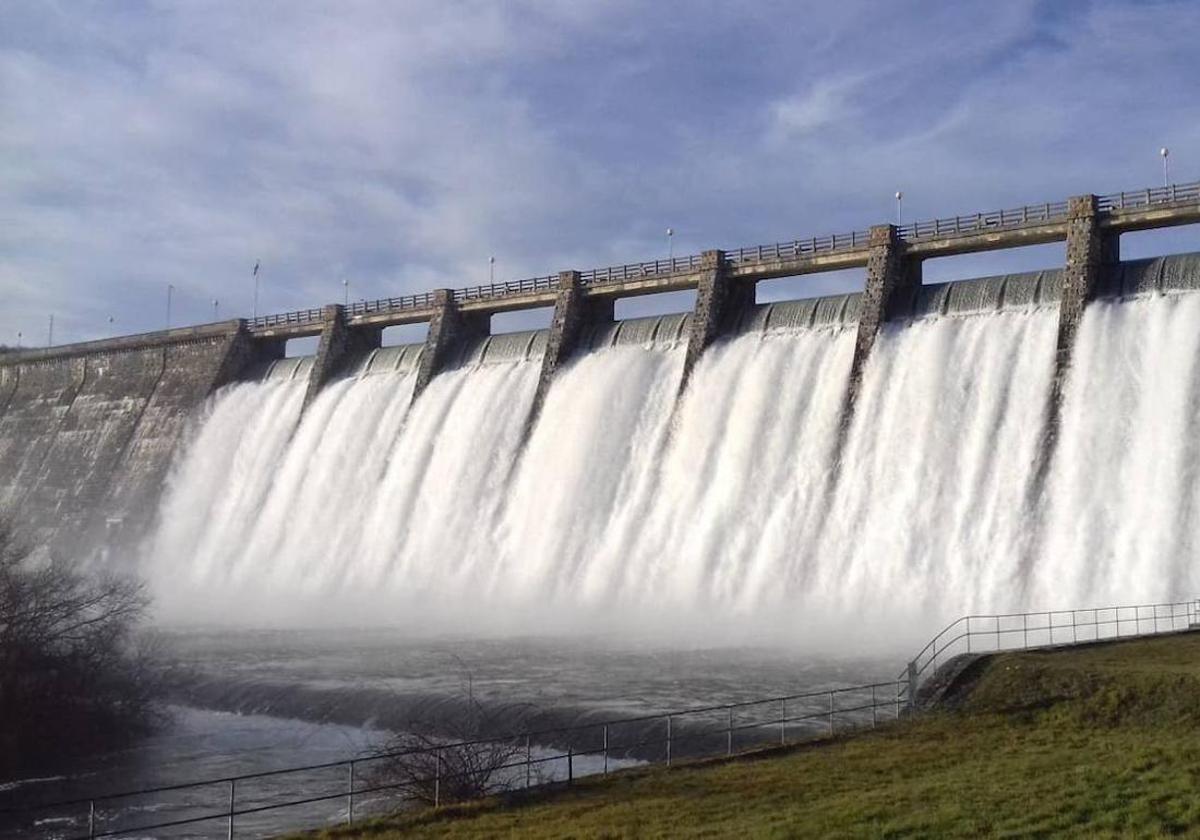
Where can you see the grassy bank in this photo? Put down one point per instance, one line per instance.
(1098, 741)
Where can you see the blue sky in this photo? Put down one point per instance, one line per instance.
(400, 144)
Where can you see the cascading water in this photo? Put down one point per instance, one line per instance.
(627, 508)
(1122, 512)
(930, 513)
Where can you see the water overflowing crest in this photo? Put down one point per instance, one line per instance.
(627, 509)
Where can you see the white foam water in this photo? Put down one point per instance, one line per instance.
(629, 508)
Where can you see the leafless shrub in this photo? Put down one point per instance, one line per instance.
(453, 756)
(74, 674)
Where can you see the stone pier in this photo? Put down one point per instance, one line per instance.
(572, 312)
(891, 276)
(717, 295)
(447, 327)
(337, 341)
(1089, 250)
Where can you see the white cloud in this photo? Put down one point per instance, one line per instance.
(402, 144)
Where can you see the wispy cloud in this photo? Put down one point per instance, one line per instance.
(826, 103)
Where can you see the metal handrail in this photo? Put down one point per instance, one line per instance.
(1030, 214)
(958, 634)
(891, 701)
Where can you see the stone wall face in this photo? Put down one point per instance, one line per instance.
(42, 398)
(191, 373)
(83, 453)
(86, 439)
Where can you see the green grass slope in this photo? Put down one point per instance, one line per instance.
(1102, 741)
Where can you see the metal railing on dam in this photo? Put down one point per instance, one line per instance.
(544, 757)
(748, 258)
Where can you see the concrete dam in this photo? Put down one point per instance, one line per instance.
(907, 450)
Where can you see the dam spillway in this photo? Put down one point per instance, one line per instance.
(631, 468)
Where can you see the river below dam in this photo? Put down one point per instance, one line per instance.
(260, 700)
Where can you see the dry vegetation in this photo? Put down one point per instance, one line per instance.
(74, 674)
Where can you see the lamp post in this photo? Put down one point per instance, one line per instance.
(170, 293)
(899, 208)
(254, 311)
(1165, 154)
(50, 334)
(492, 270)
(671, 244)
(216, 309)
(345, 291)
(18, 338)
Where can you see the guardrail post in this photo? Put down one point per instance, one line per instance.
(91, 818)
(232, 796)
(437, 778)
(783, 723)
(1025, 630)
(831, 713)
(528, 763)
(350, 796)
(606, 749)
(570, 763)
(668, 740)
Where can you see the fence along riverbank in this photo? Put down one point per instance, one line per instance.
(554, 756)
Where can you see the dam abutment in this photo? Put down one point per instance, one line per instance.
(87, 435)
